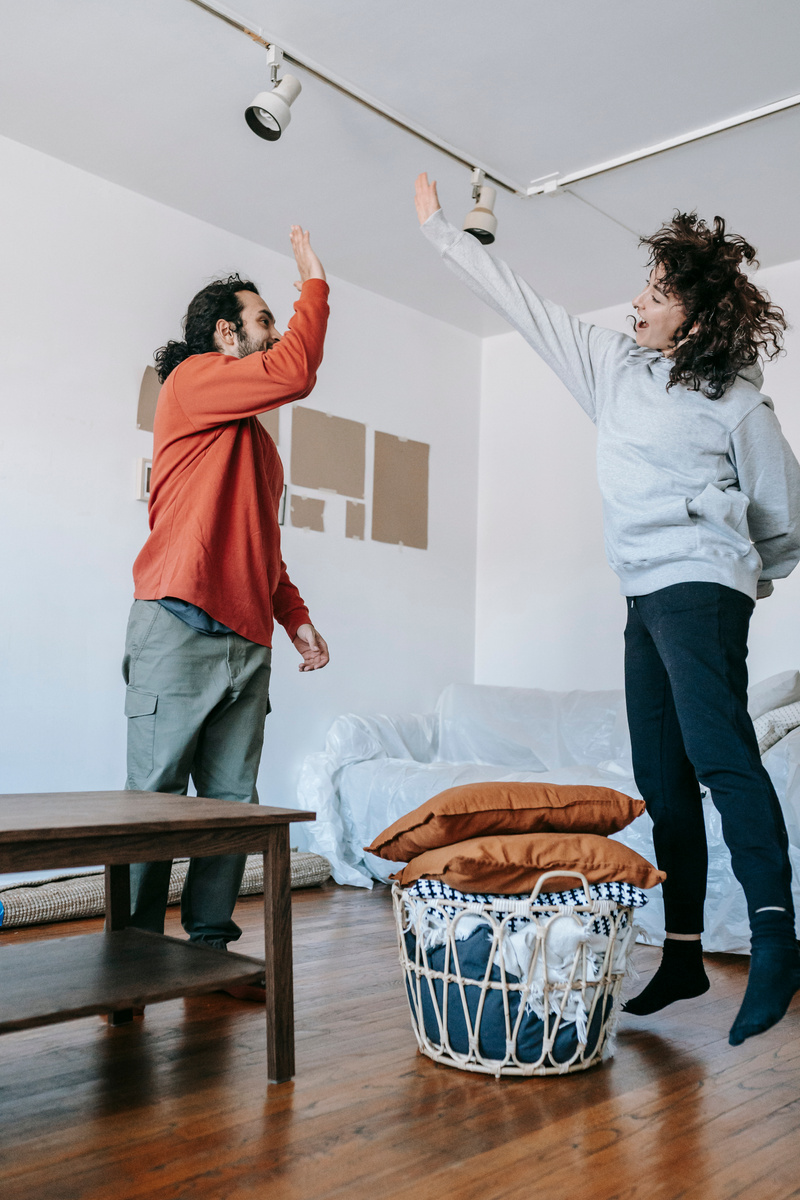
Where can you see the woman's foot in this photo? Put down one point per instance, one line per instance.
(680, 976)
(774, 975)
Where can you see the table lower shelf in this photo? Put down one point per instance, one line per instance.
(45, 982)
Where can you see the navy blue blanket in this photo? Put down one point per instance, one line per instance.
(473, 958)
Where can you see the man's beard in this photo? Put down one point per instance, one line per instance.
(247, 345)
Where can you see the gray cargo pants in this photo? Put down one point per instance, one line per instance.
(196, 707)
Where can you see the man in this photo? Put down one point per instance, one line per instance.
(701, 500)
(210, 578)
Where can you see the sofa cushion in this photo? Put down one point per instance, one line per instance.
(515, 863)
(775, 724)
(479, 809)
(774, 692)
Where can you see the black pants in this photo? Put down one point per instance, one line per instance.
(686, 693)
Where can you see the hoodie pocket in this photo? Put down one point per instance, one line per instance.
(663, 532)
(721, 516)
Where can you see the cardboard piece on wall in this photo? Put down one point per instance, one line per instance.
(148, 395)
(328, 452)
(271, 422)
(307, 513)
(400, 491)
(354, 523)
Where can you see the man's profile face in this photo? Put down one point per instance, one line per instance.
(258, 332)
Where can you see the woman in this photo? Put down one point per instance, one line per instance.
(701, 499)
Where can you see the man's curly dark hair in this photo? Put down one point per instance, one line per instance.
(217, 301)
(736, 323)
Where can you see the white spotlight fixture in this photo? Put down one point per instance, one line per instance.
(270, 112)
(481, 222)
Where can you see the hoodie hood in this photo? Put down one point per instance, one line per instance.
(753, 375)
(658, 364)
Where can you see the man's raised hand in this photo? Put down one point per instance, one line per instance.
(311, 644)
(425, 198)
(308, 264)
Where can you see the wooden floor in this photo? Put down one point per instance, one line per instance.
(175, 1107)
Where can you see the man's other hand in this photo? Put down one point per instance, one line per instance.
(425, 198)
(312, 646)
(308, 264)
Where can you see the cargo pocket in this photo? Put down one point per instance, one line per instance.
(140, 709)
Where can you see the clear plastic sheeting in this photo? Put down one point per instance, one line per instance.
(353, 741)
(530, 729)
(373, 770)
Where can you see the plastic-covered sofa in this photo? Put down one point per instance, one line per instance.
(375, 769)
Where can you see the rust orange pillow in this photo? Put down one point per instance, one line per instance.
(481, 809)
(514, 864)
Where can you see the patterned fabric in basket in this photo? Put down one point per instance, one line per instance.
(624, 894)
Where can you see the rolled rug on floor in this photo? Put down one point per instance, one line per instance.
(69, 897)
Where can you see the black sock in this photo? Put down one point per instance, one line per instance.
(680, 975)
(774, 974)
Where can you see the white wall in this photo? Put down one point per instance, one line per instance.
(94, 278)
(548, 608)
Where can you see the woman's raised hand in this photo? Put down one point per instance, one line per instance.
(425, 198)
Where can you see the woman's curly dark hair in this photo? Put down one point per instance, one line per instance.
(736, 323)
(216, 302)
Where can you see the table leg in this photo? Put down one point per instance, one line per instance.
(118, 915)
(118, 896)
(278, 956)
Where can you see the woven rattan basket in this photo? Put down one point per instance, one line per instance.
(555, 1015)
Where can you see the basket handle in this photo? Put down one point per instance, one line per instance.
(560, 874)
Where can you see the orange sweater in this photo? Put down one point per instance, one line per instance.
(217, 480)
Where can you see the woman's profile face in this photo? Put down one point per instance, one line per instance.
(658, 316)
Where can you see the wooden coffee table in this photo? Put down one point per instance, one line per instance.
(111, 972)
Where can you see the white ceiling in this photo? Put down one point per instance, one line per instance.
(151, 94)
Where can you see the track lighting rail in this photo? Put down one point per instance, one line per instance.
(684, 139)
(369, 102)
(550, 185)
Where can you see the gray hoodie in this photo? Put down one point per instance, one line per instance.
(694, 490)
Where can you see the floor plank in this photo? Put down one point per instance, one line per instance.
(175, 1106)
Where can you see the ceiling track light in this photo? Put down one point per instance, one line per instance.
(481, 222)
(257, 35)
(538, 188)
(271, 112)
